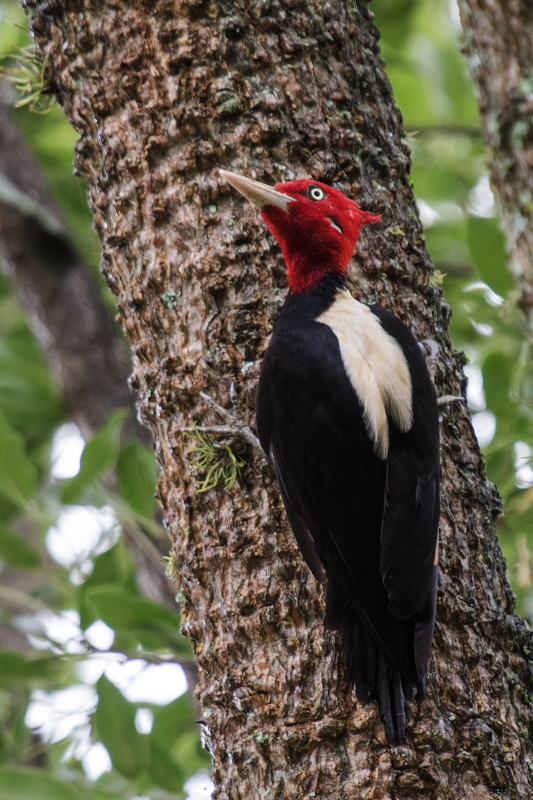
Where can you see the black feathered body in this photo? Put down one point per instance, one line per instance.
(360, 490)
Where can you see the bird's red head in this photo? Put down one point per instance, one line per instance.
(316, 226)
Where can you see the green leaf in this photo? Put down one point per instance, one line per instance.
(174, 741)
(123, 609)
(187, 750)
(115, 723)
(15, 551)
(99, 456)
(175, 730)
(136, 471)
(163, 770)
(92, 793)
(86, 793)
(16, 669)
(154, 626)
(173, 720)
(18, 475)
(126, 642)
(500, 466)
(114, 567)
(497, 371)
(487, 248)
(33, 784)
(28, 397)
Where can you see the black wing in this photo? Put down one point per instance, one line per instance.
(301, 531)
(411, 518)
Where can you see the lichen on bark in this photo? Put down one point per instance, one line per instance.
(162, 94)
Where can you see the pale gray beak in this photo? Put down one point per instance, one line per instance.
(260, 194)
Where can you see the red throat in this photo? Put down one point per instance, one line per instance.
(318, 233)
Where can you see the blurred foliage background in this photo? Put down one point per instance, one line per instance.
(95, 706)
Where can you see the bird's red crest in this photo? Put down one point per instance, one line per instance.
(317, 233)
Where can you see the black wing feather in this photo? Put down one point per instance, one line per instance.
(406, 554)
(305, 541)
(410, 520)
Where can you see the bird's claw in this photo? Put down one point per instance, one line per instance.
(233, 426)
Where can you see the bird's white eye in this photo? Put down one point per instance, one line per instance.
(316, 193)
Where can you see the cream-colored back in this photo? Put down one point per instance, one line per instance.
(376, 366)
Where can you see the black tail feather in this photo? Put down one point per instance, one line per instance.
(388, 712)
(370, 671)
(398, 704)
(371, 658)
(358, 668)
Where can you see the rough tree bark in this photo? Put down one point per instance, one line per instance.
(499, 49)
(162, 93)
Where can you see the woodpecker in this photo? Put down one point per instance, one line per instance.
(347, 413)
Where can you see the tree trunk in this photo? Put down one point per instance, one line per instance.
(499, 50)
(162, 94)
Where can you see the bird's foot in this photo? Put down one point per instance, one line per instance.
(233, 426)
(432, 352)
